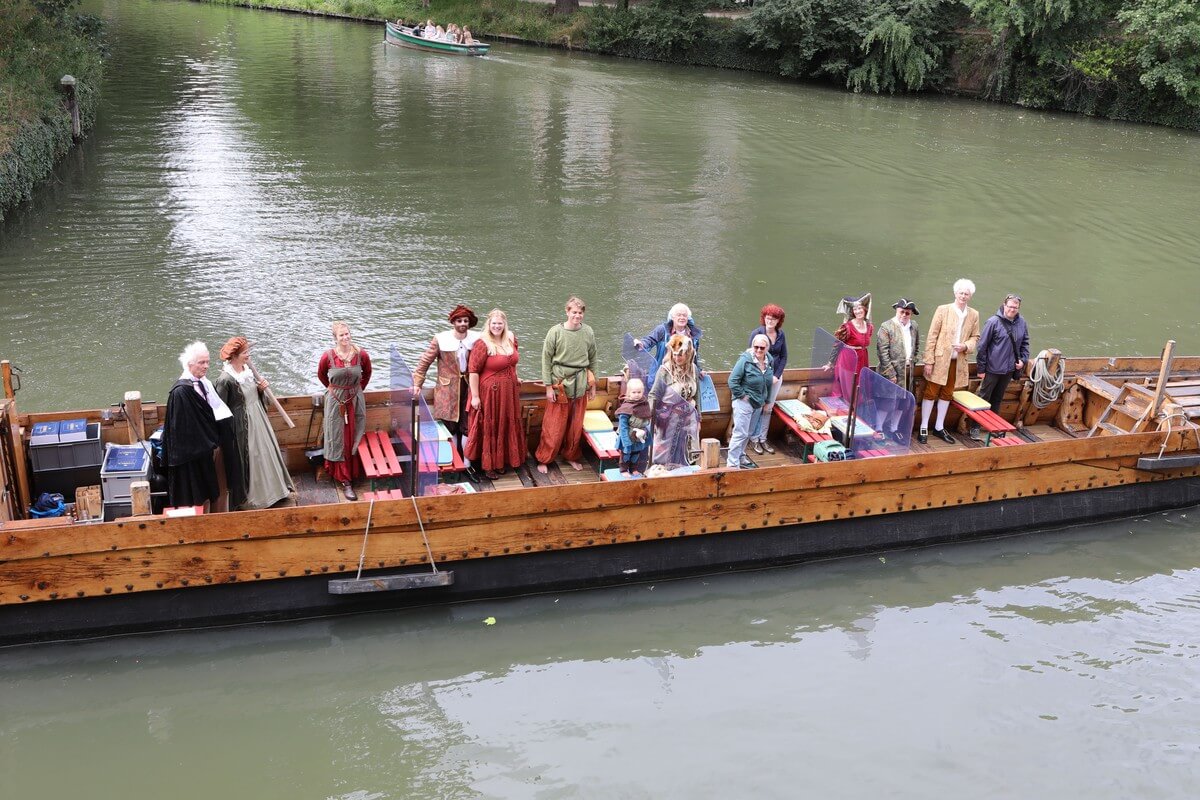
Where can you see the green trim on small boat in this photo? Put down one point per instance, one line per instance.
(403, 37)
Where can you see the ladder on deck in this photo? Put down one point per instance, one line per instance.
(1138, 402)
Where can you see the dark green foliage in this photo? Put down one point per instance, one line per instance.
(880, 45)
(1168, 37)
(659, 29)
(39, 43)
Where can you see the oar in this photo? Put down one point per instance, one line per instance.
(270, 395)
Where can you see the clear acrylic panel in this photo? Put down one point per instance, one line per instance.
(402, 430)
(429, 443)
(887, 410)
(638, 362)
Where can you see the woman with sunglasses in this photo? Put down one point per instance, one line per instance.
(750, 387)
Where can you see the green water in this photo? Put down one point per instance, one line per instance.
(266, 173)
(263, 174)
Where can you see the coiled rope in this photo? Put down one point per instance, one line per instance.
(1046, 387)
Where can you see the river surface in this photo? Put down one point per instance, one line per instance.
(264, 174)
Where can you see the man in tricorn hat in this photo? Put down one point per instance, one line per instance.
(450, 349)
(898, 344)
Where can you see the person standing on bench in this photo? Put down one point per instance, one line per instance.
(450, 349)
(953, 333)
(344, 371)
(569, 372)
(1003, 351)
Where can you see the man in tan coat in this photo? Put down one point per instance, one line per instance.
(450, 349)
(953, 333)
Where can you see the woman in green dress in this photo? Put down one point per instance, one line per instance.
(264, 476)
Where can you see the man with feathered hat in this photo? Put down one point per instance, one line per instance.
(450, 349)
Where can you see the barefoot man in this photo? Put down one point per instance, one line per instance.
(569, 372)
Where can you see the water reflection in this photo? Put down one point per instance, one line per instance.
(913, 664)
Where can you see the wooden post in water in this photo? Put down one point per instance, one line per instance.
(6, 368)
(67, 82)
(139, 498)
(133, 417)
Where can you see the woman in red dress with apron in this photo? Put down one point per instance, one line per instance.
(344, 371)
(496, 439)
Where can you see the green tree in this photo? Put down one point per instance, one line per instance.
(1169, 53)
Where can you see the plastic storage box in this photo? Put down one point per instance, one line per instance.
(123, 464)
(81, 450)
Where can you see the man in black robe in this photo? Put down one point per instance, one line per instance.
(190, 435)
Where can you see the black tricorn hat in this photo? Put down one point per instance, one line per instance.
(907, 305)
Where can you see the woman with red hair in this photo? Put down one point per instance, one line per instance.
(770, 325)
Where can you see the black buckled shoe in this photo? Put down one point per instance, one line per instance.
(923, 436)
(945, 437)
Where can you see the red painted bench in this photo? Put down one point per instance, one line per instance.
(1006, 441)
(378, 457)
(386, 494)
(833, 406)
(871, 453)
(807, 438)
(991, 422)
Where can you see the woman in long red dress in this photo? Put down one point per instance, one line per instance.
(851, 353)
(496, 440)
(344, 371)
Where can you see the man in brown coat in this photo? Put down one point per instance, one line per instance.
(450, 349)
(953, 333)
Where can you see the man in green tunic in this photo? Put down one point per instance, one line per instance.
(569, 372)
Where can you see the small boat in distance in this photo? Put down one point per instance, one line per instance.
(407, 37)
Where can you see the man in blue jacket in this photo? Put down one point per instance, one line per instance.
(1003, 350)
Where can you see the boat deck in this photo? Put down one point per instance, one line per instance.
(788, 451)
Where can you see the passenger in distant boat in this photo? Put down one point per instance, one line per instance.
(344, 371)
(1003, 351)
(898, 345)
(569, 372)
(440, 34)
(467, 38)
(451, 349)
(430, 30)
(750, 384)
(454, 33)
(673, 402)
(852, 351)
(953, 333)
(497, 438)
(679, 321)
(191, 440)
(263, 479)
(771, 319)
(633, 429)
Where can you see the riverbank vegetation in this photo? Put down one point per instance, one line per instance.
(40, 41)
(1136, 60)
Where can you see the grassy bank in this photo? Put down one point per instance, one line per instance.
(39, 43)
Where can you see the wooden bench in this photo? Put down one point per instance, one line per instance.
(1005, 441)
(385, 494)
(378, 457)
(871, 453)
(833, 406)
(989, 421)
(600, 436)
(807, 438)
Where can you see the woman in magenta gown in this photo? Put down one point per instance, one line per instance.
(851, 352)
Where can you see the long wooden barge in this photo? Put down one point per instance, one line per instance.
(1119, 441)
